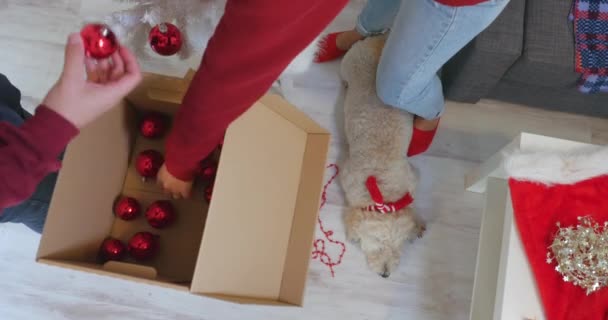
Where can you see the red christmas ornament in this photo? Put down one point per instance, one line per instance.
(143, 246)
(208, 170)
(99, 41)
(127, 208)
(160, 214)
(153, 125)
(112, 249)
(148, 163)
(208, 193)
(165, 39)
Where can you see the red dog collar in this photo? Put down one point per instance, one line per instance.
(381, 206)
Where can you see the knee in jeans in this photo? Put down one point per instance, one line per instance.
(8, 93)
(394, 92)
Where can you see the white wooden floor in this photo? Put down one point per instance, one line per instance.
(436, 275)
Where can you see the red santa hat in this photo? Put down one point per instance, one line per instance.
(560, 203)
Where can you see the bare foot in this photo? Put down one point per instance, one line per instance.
(346, 39)
(425, 125)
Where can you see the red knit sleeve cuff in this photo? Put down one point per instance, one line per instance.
(49, 130)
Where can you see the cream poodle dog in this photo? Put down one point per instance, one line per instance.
(376, 177)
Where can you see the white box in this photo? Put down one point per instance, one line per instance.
(504, 287)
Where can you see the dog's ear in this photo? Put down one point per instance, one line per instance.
(352, 223)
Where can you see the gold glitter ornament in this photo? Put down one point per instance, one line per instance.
(581, 254)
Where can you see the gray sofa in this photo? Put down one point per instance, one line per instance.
(526, 57)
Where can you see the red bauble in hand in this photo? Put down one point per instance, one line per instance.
(153, 125)
(148, 163)
(127, 208)
(208, 192)
(112, 249)
(143, 246)
(160, 214)
(99, 41)
(165, 39)
(208, 170)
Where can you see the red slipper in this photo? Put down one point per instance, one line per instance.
(421, 141)
(328, 49)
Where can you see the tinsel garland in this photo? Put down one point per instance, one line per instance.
(581, 254)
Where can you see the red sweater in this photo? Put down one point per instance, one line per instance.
(253, 43)
(29, 153)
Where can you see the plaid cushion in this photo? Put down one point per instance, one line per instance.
(590, 18)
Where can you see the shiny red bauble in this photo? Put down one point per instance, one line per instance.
(143, 246)
(208, 170)
(127, 208)
(148, 163)
(112, 249)
(208, 192)
(153, 125)
(160, 214)
(166, 39)
(99, 41)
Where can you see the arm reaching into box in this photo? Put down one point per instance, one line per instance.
(29, 149)
(253, 43)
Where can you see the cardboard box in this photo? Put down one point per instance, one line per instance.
(251, 245)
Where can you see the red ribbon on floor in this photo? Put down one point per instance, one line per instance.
(319, 244)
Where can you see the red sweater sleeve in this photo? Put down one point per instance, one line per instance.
(253, 43)
(28, 153)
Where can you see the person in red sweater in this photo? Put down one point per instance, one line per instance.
(253, 43)
(31, 145)
(424, 35)
(256, 40)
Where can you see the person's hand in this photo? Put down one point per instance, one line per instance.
(80, 100)
(175, 187)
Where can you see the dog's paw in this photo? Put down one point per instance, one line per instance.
(418, 232)
(421, 229)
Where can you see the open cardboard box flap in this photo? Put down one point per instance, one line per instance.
(257, 239)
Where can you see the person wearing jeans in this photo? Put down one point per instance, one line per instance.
(423, 36)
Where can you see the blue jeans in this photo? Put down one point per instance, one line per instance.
(423, 36)
(33, 211)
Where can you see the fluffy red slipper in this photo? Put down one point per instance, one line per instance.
(421, 141)
(328, 49)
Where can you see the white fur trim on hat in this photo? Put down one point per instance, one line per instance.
(558, 167)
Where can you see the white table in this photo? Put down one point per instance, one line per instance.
(504, 287)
